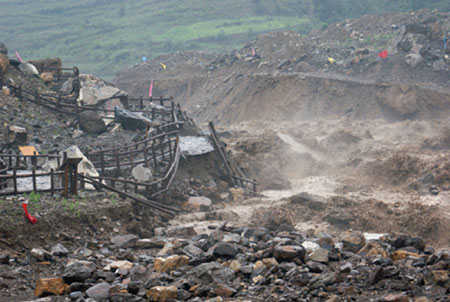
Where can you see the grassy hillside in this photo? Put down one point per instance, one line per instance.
(103, 36)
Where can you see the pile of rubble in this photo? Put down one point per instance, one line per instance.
(238, 264)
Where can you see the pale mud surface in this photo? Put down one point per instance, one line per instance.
(371, 175)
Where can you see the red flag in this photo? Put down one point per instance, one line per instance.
(383, 54)
(18, 57)
(32, 219)
(150, 89)
(253, 52)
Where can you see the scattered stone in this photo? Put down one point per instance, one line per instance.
(98, 291)
(163, 265)
(142, 173)
(319, 255)
(49, 286)
(121, 264)
(124, 241)
(92, 123)
(353, 241)
(4, 257)
(154, 242)
(162, 293)
(40, 254)
(59, 250)
(224, 249)
(289, 253)
(78, 271)
(224, 291)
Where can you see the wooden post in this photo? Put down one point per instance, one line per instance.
(17, 160)
(131, 158)
(145, 154)
(153, 114)
(82, 182)
(66, 181)
(34, 160)
(141, 103)
(254, 185)
(154, 154)
(52, 188)
(34, 180)
(38, 101)
(58, 103)
(77, 111)
(161, 100)
(117, 163)
(15, 181)
(102, 161)
(161, 142)
(170, 149)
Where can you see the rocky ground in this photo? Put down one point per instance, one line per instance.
(352, 156)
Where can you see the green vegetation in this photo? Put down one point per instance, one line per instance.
(72, 207)
(104, 36)
(34, 201)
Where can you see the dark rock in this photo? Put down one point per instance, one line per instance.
(405, 45)
(213, 272)
(124, 241)
(79, 287)
(289, 253)
(78, 271)
(225, 249)
(258, 233)
(4, 257)
(376, 276)
(429, 53)
(76, 295)
(183, 295)
(59, 250)
(126, 297)
(92, 123)
(131, 120)
(98, 291)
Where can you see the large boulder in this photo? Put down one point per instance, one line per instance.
(131, 120)
(96, 91)
(84, 166)
(28, 69)
(141, 173)
(91, 123)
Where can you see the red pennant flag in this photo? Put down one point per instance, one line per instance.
(32, 219)
(18, 57)
(150, 89)
(383, 54)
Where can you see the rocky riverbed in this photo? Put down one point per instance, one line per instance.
(231, 264)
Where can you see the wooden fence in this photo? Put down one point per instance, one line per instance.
(234, 179)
